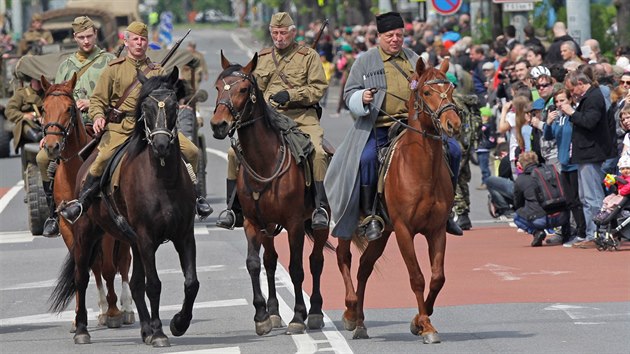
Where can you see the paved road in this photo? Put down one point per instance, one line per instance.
(500, 296)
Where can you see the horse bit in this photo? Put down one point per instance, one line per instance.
(230, 104)
(150, 134)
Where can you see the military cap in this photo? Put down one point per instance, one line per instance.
(82, 23)
(389, 21)
(138, 28)
(36, 17)
(281, 19)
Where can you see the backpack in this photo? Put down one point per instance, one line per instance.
(549, 190)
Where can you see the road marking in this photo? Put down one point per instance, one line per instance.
(509, 273)
(16, 237)
(67, 316)
(225, 350)
(241, 45)
(218, 153)
(578, 313)
(4, 201)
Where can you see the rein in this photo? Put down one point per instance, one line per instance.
(160, 130)
(64, 130)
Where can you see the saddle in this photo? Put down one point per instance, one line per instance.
(111, 176)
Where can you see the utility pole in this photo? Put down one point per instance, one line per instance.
(579, 20)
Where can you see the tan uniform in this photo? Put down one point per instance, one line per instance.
(114, 80)
(305, 73)
(32, 36)
(24, 100)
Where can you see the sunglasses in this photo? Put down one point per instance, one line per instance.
(542, 86)
(623, 82)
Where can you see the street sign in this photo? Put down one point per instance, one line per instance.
(509, 1)
(446, 7)
(518, 6)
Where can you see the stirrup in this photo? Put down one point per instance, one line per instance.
(227, 212)
(369, 219)
(325, 214)
(71, 203)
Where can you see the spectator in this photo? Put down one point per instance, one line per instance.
(613, 201)
(487, 141)
(530, 216)
(560, 36)
(530, 38)
(509, 33)
(568, 52)
(501, 186)
(595, 55)
(544, 85)
(535, 55)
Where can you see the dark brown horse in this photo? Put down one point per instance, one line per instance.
(418, 194)
(65, 136)
(154, 204)
(271, 190)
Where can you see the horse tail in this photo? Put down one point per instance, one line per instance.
(66, 288)
(327, 246)
(360, 243)
(121, 223)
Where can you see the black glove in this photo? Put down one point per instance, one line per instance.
(281, 97)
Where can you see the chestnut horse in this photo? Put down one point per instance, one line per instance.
(418, 195)
(155, 203)
(271, 190)
(65, 136)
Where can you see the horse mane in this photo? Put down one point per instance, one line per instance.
(62, 87)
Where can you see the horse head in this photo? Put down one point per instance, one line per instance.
(432, 94)
(156, 111)
(237, 94)
(61, 115)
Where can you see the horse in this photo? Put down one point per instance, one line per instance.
(153, 204)
(272, 193)
(65, 136)
(418, 196)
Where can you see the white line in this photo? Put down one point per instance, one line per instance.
(4, 201)
(16, 237)
(224, 350)
(241, 45)
(218, 153)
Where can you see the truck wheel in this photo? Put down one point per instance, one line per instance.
(5, 139)
(36, 200)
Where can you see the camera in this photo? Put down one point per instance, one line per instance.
(551, 108)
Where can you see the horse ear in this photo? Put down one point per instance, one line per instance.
(251, 66)
(45, 83)
(141, 77)
(174, 76)
(444, 65)
(420, 66)
(224, 62)
(73, 80)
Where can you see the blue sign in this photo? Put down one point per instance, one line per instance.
(446, 7)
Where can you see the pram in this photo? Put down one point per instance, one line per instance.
(614, 226)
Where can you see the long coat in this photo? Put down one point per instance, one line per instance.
(342, 180)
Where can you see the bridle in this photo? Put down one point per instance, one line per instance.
(248, 107)
(64, 130)
(161, 127)
(421, 105)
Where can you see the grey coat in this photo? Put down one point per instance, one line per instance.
(342, 180)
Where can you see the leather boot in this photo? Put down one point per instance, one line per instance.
(320, 215)
(452, 227)
(51, 225)
(232, 216)
(373, 227)
(464, 221)
(203, 207)
(74, 209)
(32, 135)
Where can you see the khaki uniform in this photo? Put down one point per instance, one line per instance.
(32, 36)
(470, 120)
(115, 79)
(24, 100)
(303, 69)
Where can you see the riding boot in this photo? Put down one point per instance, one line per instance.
(232, 216)
(203, 207)
(373, 225)
(32, 134)
(74, 209)
(51, 225)
(452, 227)
(320, 215)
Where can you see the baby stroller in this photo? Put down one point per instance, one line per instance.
(613, 226)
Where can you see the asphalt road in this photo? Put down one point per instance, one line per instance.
(500, 296)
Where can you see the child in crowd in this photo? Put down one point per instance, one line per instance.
(487, 141)
(612, 202)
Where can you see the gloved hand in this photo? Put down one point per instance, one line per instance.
(281, 97)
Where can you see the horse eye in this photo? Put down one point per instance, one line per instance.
(243, 90)
(427, 93)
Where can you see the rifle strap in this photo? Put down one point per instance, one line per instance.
(281, 74)
(132, 86)
(393, 62)
(87, 66)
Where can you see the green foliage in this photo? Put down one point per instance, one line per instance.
(602, 17)
(483, 34)
(222, 5)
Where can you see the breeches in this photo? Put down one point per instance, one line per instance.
(42, 163)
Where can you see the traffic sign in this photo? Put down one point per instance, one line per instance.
(446, 7)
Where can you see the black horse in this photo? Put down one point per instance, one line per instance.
(154, 204)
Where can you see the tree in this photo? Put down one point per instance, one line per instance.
(623, 22)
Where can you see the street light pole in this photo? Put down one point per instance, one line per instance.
(579, 20)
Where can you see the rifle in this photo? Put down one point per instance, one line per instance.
(87, 149)
(319, 34)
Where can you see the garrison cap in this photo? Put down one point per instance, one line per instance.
(36, 17)
(82, 23)
(389, 21)
(281, 19)
(139, 28)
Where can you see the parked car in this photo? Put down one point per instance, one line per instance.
(213, 16)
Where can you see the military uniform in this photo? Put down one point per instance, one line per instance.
(32, 36)
(24, 100)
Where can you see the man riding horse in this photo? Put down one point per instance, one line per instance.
(292, 79)
(113, 86)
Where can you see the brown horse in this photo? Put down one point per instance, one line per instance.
(271, 190)
(65, 136)
(418, 195)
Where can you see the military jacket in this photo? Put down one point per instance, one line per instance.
(303, 70)
(31, 36)
(23, 101)
(114, 80)
(86, 84)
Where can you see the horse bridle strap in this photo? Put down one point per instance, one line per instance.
(230, 105)
(64, 131)
(159, 130)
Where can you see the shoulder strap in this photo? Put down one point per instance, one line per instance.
(393, 62)
(132, 86)
(86, 67)
(280, 73)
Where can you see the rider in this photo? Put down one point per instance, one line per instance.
(88, 62)
(291, 78)
(385, 67)
(35, 35)
(24, 109)
(115, 79)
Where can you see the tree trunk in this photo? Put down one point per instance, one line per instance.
(364, 8)
(623, 22)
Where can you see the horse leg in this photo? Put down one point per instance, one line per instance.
(138, 287)
(82, 250)
(296, 270)
(270, 260)
(372, 253)
(102, 296)
(123, 260)
(316, 261)
(421, 324)
(437, 249)
(113, 316)
(154, 290)
(187, 251)
(261, 317)
(344, 262)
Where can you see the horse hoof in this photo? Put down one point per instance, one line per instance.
(430, 338)
(148, 339)
(82, 339)
(114, 321)
(73, 327)
(102, 319)
(415, 330)
(160, 342)
(263, 327)
(349, 325)
(276, 321)
(129, 317)
(296, 328)
(360, 333)
(178, 325)
(315, 321)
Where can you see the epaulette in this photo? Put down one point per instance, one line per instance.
(303, 50)
(116, 61)
(265, 51)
